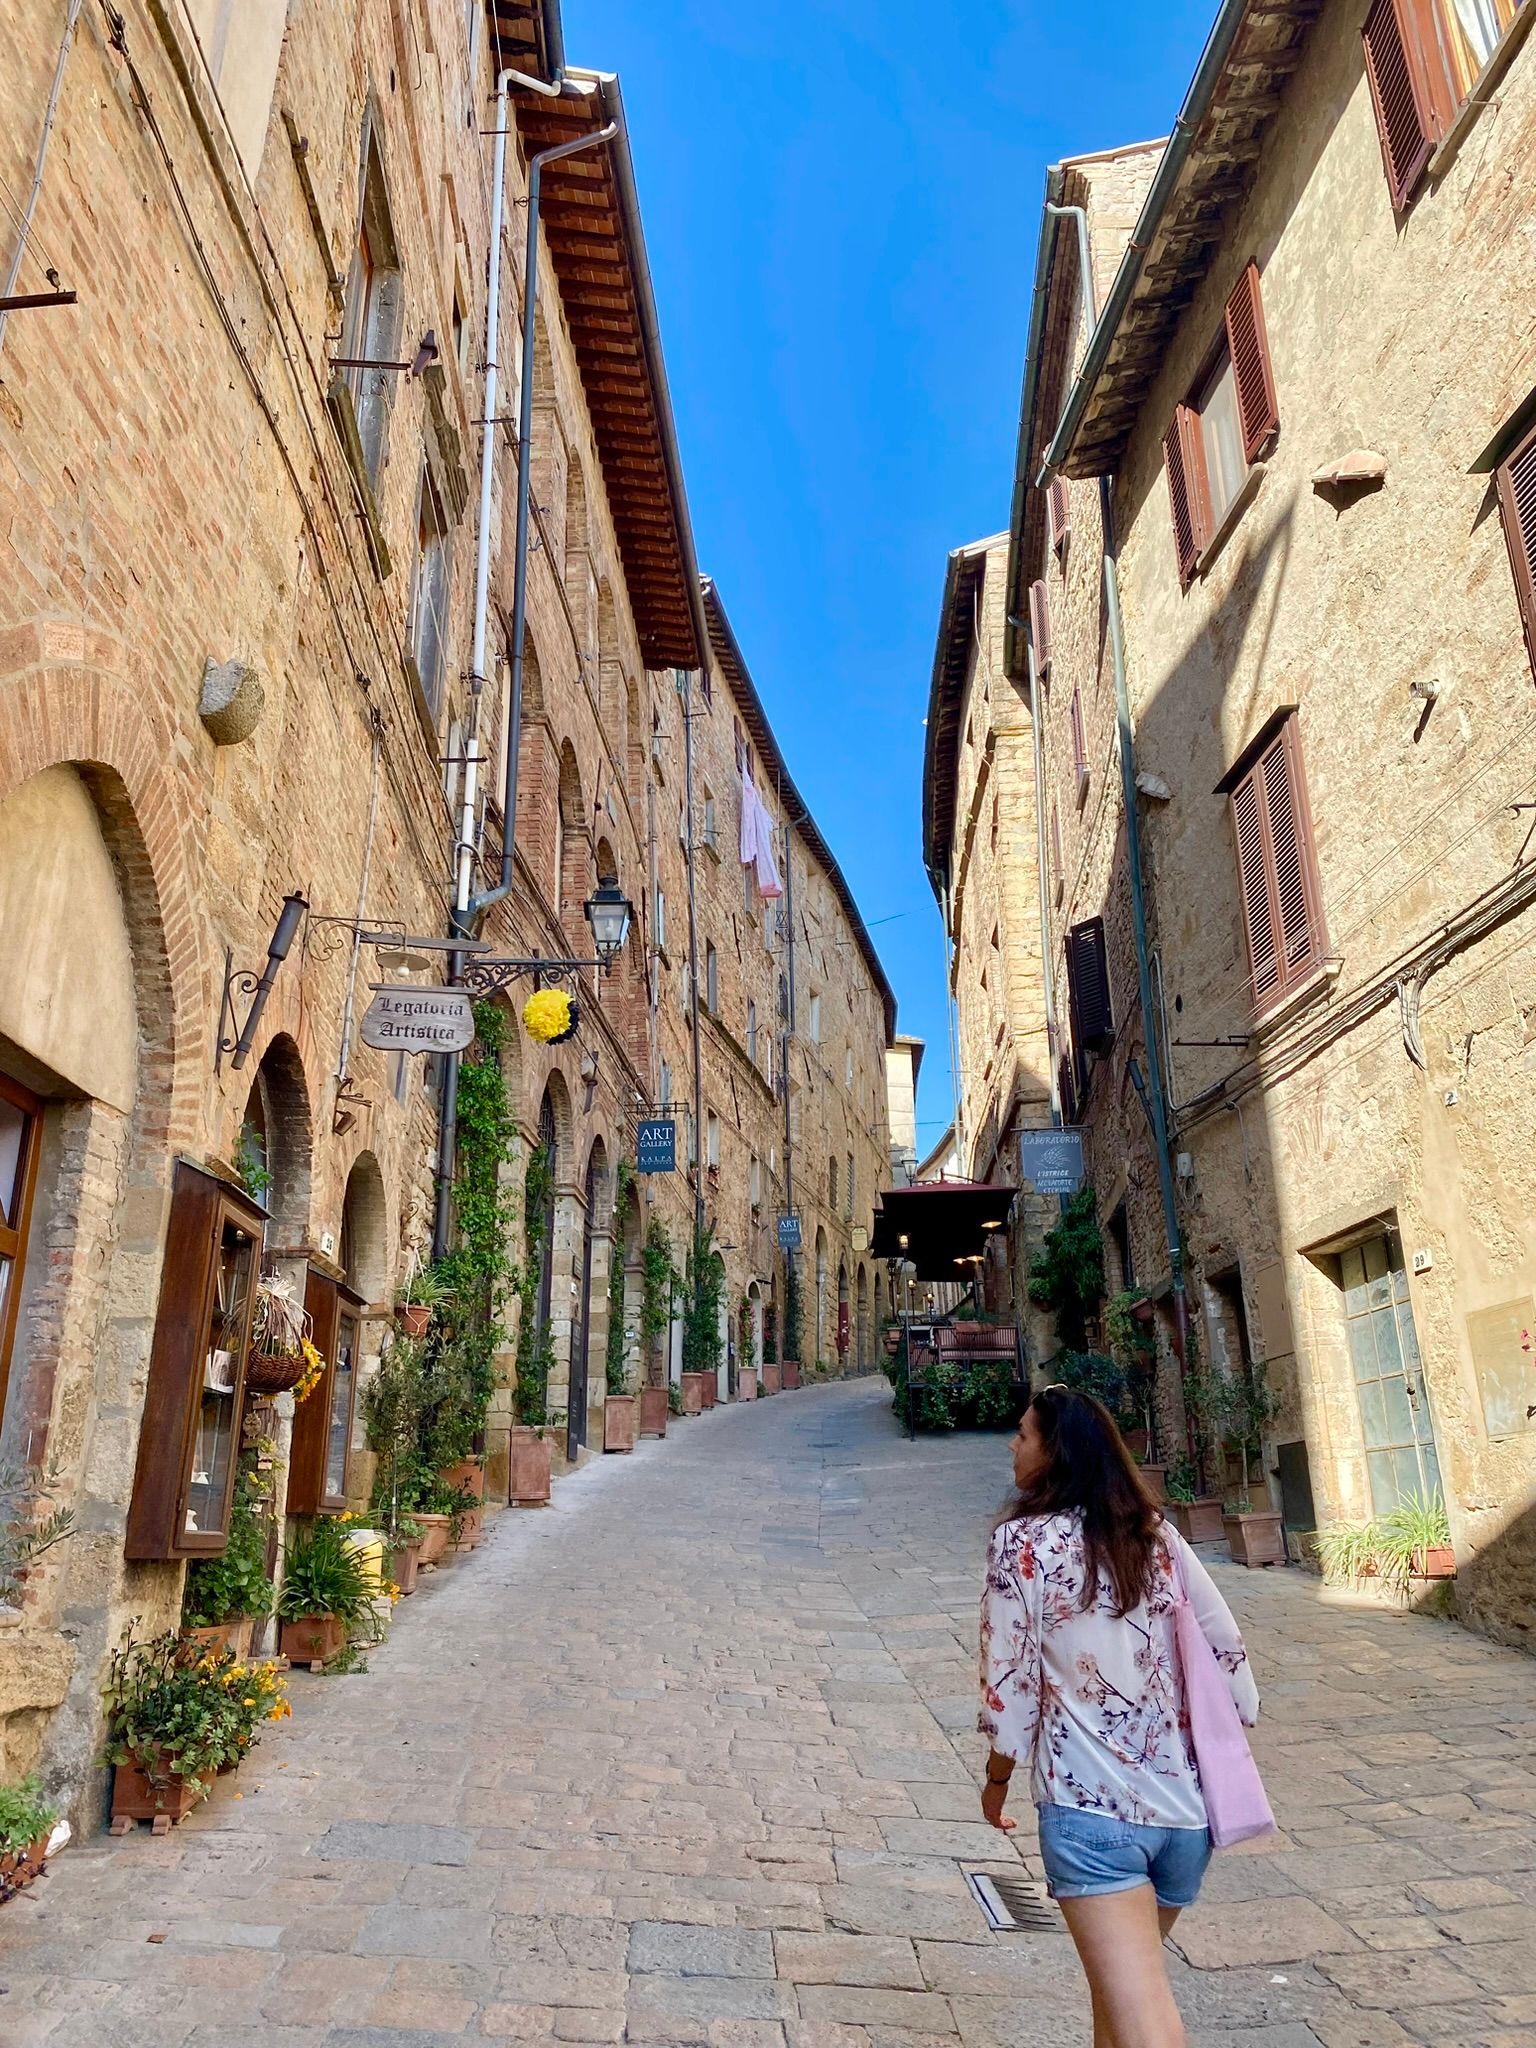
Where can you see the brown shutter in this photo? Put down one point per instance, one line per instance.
(1040, 624)
(1405, 118)
(1093, 1024)
(1182, 496)
(1517, 506)
(1252, 372)
(1079, 744)
(1058, 865)
(1067, 1088)
(1058, 513)
(1281, 913)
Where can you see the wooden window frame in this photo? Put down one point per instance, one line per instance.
(1258, 863)
(1058, 515)
(1058, 865)
(14, 1232)
(1080, 770)
(1093, 1021)
(329, 1304)
(1416, 98)
(1040, 626)
(1516, 481)
(1244, 340)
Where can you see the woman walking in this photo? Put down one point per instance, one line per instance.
(1080, 1685)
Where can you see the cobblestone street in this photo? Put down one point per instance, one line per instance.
(689, 1758)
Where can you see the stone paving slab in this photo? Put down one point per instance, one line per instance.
(688, 1758)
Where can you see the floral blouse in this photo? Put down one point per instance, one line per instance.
(1092, 1701)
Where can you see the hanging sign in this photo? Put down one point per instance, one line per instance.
(656, 1145)
(401, 1019)
(789, 1233)
(1052, 1161)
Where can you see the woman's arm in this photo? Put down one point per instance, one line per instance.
(1010, 1652)
(1219, 1630)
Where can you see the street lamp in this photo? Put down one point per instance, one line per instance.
(608, 911)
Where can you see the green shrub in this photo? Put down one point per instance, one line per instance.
(24, 1815)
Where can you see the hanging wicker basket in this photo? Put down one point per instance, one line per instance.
(273, 1372)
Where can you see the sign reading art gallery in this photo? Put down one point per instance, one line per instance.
(656, 1145)
(419, 1020)
(789, 1234)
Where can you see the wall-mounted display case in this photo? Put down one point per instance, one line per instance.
(322, 1427)
(189, 1440)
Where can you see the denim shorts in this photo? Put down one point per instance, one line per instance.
(1087, 1853)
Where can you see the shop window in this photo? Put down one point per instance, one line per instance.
(322, 1425)
(189, 1436)
(21, 1123)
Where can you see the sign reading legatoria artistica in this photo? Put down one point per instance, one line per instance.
(419, 1020)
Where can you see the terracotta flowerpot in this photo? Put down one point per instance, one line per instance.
(791, 1372)
(693, 1392)
(773, 1378)
(653, 1411)
(621, 1421)
(313, 1639)
(20, 1866)
(404, 1564)
(414, 1318)
(135, 1798)
(1156, 1477)
(470, 1530)
(529, 1468)
(221, 1635)
(1198, 1521)
(1438, 1562)
(1256, 1536)
(1136, 1443)
(746, 1383)
(469, 1473)
(711, 1388)
(434, 1537)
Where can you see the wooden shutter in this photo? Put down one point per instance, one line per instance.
(1252, 373)
(1517, 506)
(1281, 913)
(1088, 986)
(1405, 117)
(1040, 624)
(1058, 865)
(1066, 1085)
(1058, 513)
(1079, 744)
(1184, 492)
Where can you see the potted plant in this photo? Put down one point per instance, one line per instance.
(703, 1308)
(404, 1540)
(27, 1823)
(789, 1374)
(1242, 1406)
(1347, 1551)
(229, 1596)
(1413, 1540)
(326, 1599)
(1196, 1516)
(692, 1384)
(746, 1375)
(423, 1293)
(175, 1720)
(773, 1376)
(281, 1353)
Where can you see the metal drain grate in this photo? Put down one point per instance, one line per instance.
(1013, 1904)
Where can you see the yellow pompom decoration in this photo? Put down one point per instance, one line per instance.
(547, 1015)
(313, 1373)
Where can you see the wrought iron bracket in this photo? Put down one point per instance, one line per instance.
(487, 977)
(237, 981)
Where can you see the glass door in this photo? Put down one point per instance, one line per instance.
(1395, 1418)
(229, 1322)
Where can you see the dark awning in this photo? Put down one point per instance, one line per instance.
(946, 1224)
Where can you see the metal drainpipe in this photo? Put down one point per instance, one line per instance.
(1158, 1105)
(468, 909)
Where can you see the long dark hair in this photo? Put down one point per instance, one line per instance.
(1091, 1470)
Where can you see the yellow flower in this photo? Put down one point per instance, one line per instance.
(250, 1703)
(547, 1015)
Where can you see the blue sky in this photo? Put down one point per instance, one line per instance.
(841, 203)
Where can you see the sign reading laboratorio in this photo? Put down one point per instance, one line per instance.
(1052, 1161)
(789, 1233)
(656, 1145)
(419, 1020)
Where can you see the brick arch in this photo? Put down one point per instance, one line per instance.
(364, 1238)
(92, 720)
(572, 842)
(560, 1125)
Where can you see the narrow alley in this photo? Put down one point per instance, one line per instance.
(688, 1758)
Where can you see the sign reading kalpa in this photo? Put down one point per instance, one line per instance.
(403, 1019)
(656, 1145)
(1052, 1161)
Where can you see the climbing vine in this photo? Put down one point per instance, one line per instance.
(658, 1271)
(535, 1340)
(701, 1313)
(1067, 1275)
(794, 1313)
(616, 1362)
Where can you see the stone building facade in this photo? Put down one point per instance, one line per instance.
(1325, 536)
(237, 707)
(980, 849)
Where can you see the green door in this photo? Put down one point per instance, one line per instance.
(1398, 1428)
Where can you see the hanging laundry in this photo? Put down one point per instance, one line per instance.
(757, 841)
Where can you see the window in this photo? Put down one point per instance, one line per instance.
(1221, 428)
(1088, 992)
(849, 1185)
(322, 1428)
(666, 1085)
(848, 1068)
(712, 1140)
(429, 592)
(1058, 866)
(374, 306)
(711, 981)
(1040, 625)
(767, 917)
(832, 1183)
(752, 1032)
(1079, 748)
(1277, 879)
(661, 918)
(1058, 514)
(1517, 507)
(1423, 58)
(460, 333)
(685, 987)
(814, 1022)
(1396, 1422)
(711, 836)
(755, 1182)
(21, 1119)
